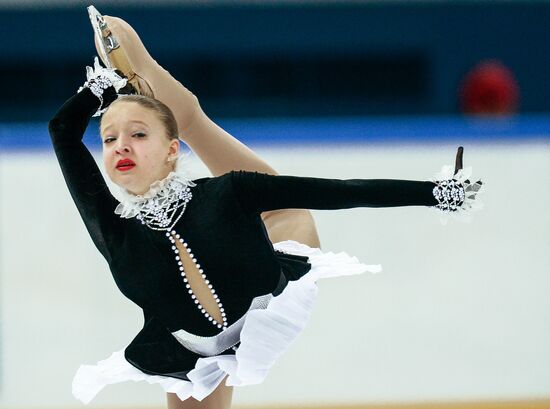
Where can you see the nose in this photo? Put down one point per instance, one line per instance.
(122, 146)
(124, 149)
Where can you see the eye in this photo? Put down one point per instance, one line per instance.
(139, 134)
(108, 139)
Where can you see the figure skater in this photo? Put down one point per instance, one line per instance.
(221, 301)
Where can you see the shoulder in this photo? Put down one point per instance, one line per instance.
(228, 177)
(239, 181)
(235, 182)
(201, 181)
(215, 185)
(212, 180)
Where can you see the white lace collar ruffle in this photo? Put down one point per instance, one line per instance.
(163, 191)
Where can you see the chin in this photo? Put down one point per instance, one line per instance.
(135, 190)
(128, 186)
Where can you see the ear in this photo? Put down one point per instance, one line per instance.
(174, 148)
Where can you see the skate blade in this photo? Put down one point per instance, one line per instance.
(107, 43)
(105, 40)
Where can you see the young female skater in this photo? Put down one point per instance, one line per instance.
(220, 301)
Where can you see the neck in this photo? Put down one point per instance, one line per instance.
(145, 189)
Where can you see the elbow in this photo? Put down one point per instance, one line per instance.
(57, 128)
(55, 125)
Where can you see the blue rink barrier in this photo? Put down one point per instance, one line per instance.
(311, 131)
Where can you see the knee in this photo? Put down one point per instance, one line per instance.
(291, 224)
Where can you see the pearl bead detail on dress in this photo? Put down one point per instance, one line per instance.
(163, 211)
(223, 325)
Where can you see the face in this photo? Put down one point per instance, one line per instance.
(136, 149)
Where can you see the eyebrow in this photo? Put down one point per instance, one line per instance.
(136, 122)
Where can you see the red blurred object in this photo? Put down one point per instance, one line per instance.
(489, 88)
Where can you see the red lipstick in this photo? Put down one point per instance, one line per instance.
(125, 164)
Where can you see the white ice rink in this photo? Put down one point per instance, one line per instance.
(460, 311)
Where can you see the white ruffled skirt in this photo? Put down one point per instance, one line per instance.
(265, 336)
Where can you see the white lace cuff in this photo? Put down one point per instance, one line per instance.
(456, 195)
(98, 79)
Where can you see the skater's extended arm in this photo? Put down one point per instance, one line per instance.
(86, 184)
(259, 192)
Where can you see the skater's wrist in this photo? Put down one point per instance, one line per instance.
(103, 83)
(455, 194)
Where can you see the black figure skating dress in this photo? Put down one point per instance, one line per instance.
(265, 292)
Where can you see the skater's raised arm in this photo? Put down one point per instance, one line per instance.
(86, 184)
(259, 192)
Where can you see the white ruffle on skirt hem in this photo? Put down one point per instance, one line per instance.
(266, 335)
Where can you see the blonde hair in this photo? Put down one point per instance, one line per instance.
(162, 111)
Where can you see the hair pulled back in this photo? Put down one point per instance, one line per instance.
(160, 109)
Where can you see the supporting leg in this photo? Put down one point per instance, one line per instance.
(219, 399)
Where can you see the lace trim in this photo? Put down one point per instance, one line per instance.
(467, 199)
(98, 79)
(162, 197)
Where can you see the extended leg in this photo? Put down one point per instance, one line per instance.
(220, 151)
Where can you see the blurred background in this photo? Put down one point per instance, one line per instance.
(460, 316)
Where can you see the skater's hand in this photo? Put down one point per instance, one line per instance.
(455, 194)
